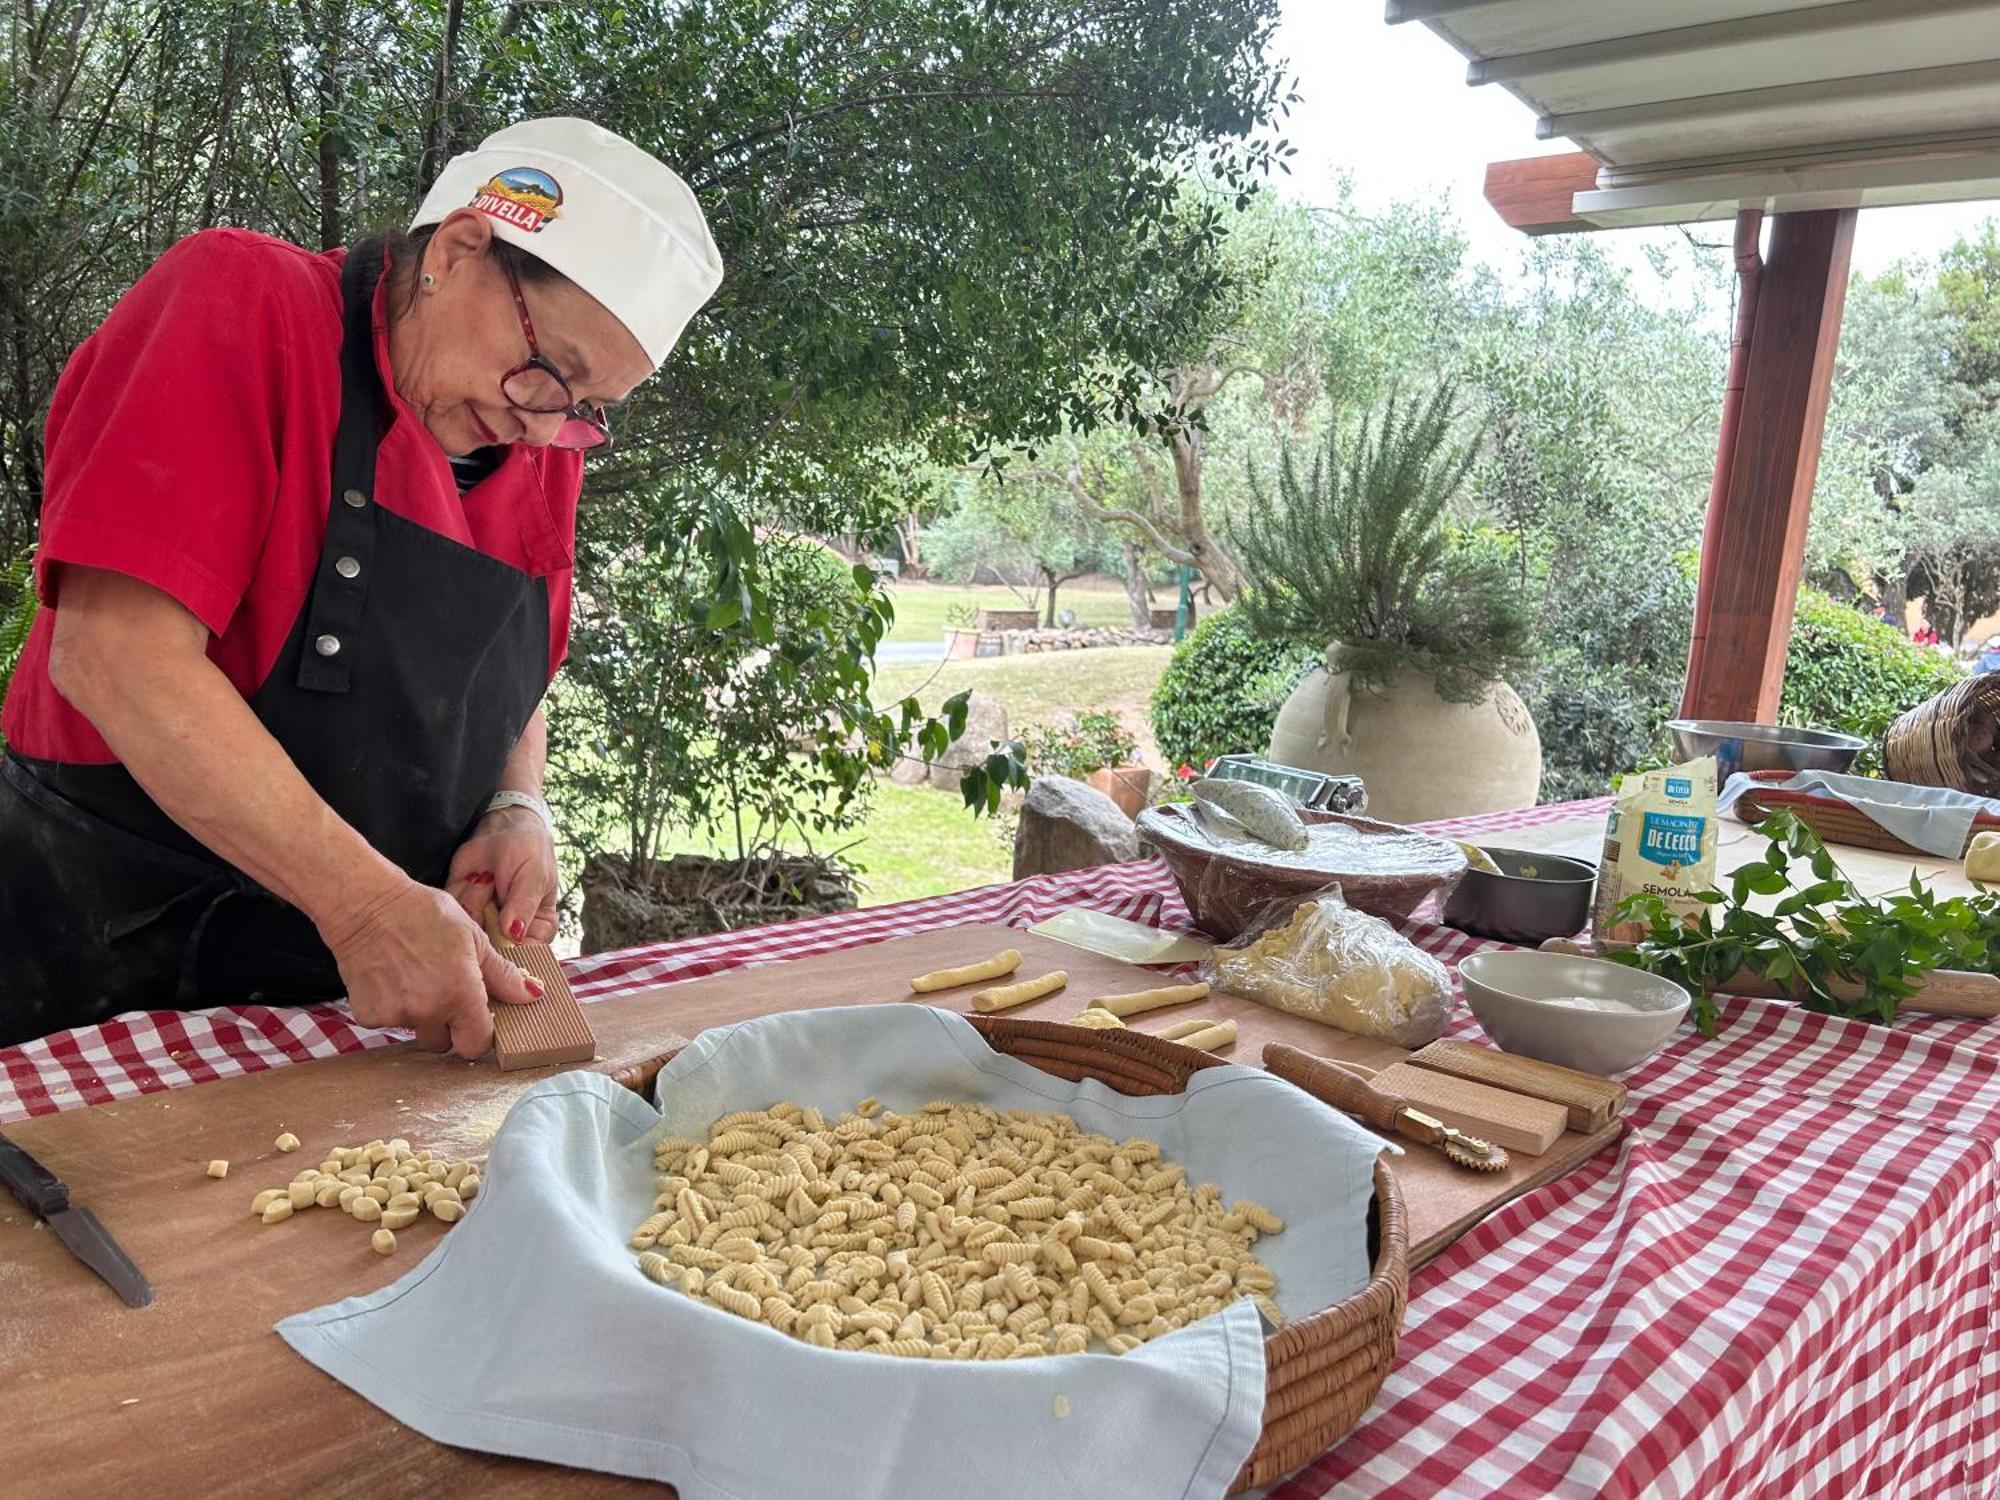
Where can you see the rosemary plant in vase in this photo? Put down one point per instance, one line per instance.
(1421, 619)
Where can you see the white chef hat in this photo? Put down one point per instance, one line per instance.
(610, 217)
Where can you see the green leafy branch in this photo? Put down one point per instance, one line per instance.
(1834, 949)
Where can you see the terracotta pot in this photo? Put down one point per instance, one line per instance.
(1419, 756)
(1131, 787)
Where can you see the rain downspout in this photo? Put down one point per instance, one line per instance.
(1749, 271)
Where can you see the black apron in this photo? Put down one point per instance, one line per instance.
(408, 677)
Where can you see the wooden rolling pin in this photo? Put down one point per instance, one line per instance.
(1941, 992)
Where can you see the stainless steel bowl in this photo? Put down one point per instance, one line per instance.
(1764, 747)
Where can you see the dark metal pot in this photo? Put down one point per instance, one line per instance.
(1535, 897)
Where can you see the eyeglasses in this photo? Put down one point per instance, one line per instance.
(538, 386)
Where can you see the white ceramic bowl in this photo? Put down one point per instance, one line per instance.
(1510, 993)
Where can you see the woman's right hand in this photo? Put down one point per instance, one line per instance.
(413, 958)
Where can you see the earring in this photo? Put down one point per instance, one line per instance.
(429, 280)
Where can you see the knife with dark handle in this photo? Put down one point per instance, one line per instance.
(42, 1192)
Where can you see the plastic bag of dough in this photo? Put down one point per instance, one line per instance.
(1321, 959)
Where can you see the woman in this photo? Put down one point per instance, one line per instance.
(279, 738)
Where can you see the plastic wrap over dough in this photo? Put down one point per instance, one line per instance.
(1329, 963)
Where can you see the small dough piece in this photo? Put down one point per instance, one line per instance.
(399, 1218)
(277, 1211)
(218, 1168)
(287, 1142)
(1136, 1002)
(1006, 996)
(1982, 858)
(384, 1241)
(998, 966)
(1214, 1039)
(1097, 1020)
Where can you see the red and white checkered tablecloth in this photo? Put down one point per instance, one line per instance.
(1782, 1282)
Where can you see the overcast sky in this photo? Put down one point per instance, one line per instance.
(1389, 106)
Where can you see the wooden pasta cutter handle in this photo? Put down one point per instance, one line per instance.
(1331, 1083)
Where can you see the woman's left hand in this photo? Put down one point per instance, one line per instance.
(510, 861)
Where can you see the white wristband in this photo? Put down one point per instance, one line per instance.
(534, 804)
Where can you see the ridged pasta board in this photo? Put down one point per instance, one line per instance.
(219, 1406)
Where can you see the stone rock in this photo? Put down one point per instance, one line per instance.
(909, 771)
(1066, 825)
(985, 722)
(1080, 639)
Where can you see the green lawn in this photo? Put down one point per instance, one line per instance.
(1040, 686)
(920, 607)
(921, 842)
(916, 842)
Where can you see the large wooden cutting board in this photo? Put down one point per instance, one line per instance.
(196, 1395)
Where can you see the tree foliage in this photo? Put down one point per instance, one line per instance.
(1904, 504)
(1026, 530)
(948, 226)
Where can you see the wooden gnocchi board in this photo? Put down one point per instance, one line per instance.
(196, 1395)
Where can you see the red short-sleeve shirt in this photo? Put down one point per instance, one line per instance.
(190, 445)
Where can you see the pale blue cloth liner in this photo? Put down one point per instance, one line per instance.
(1934, 819)
(530, 1331)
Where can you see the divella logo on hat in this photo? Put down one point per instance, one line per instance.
(588, 203)
(525, 197)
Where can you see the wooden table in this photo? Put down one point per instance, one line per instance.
(1839, 1335)
(89, 1386)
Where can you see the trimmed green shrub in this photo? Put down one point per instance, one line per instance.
(1848, 672)
(1221, 693)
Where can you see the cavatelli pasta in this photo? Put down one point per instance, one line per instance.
(956, 1231)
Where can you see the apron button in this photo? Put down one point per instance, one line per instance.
(327, 645)
(347, 567)
(354, 498)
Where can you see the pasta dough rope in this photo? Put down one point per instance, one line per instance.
(1007, 996)
(998, 966)
(1138, 1001)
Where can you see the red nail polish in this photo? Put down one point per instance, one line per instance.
(518, 931)
(535, 989)
(486, 877)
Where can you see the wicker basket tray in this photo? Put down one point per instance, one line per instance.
(1226, 891)
(1833, 820)
(1321, 1371)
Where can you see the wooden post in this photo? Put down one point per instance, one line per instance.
(1754, 547)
